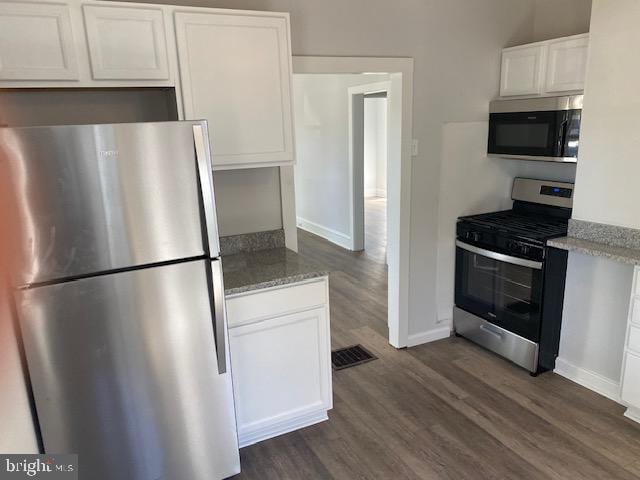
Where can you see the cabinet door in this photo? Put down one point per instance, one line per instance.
(236, 73)
(567, 64)
(631, 380)
(281, 370)
(126, 43)
(36, 42)
(521, 70)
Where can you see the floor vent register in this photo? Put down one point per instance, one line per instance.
(350, 357)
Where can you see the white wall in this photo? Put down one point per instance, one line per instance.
(248, 200)
(594, 322)
(597, 297)
(375, 147)
(607, 180)
(471, 183)
(321, 107)
(559, 18)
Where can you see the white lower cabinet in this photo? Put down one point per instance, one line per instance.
(630, 382)
(281, 363)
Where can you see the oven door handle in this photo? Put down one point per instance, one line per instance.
(501, 257)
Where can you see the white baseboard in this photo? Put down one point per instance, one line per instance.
(589, 379)
(333, 236)
(429, 336)
(633, 414)
(258, 435)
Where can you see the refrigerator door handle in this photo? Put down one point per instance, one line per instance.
(216, 292)
(205, 176)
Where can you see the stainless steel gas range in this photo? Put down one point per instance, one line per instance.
(509, 289)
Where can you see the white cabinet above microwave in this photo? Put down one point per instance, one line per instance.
(546, 68)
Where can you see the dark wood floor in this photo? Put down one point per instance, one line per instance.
(446, 410)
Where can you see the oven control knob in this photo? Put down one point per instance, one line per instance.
(525, 249)
(475, 236)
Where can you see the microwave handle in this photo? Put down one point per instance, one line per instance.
(562, 137)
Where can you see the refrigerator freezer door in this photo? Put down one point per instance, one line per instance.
(95, 198)
(124, 372)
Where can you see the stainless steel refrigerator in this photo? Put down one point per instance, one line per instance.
(120, 298)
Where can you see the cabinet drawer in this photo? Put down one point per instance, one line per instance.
(246, 308)
(636, 283)
(634, 339)
(631, 380)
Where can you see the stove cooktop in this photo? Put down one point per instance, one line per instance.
(527, 226)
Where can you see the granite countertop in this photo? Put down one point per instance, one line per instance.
(598, 249)
(621, 244)
(247, 271)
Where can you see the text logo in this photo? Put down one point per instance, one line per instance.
(47, 467)
(108, 153)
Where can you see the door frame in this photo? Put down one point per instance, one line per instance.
(356, 96)
(398, 175)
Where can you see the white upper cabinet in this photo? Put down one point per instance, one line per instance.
(545, 68)
(126, 43)
(567, 64)
(36, 42)
(235, 71)
(521, 70)
(230, 67)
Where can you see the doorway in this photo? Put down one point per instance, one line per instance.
(399, 73)
(375, 175)
(369, 134)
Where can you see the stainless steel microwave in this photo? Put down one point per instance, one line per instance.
(546, 129)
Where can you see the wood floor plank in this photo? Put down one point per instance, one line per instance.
(445, 410)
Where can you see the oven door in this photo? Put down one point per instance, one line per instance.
(537, 135)
(504, 290)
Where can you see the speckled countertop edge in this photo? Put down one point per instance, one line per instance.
(250, 271)
(604, 233)
(588, 247)
(275, 283)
